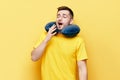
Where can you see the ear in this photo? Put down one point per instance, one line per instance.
(71, 21)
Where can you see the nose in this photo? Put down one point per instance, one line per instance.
(60, 18)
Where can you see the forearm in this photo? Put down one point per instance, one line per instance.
(82, 69)
(37, 53)
(83, 75)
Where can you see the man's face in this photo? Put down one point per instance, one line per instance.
(63, 19)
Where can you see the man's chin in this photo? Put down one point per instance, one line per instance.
(60, 27)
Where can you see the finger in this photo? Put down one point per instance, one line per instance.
(52, 29)
(54, 33)
(53, 26)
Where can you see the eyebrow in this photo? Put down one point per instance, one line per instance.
(65, 14)
(62, 14)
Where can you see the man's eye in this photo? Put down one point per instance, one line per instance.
(65, 16)
(58, 16)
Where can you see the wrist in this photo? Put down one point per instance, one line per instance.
(46, 40)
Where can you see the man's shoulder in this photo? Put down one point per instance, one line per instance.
(79, 37)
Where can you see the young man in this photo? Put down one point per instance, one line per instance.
(61, 58)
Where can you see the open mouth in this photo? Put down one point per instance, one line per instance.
(60, 23)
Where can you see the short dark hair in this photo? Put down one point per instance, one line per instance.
(66, 8)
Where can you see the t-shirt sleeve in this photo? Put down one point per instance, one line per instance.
(81, 51)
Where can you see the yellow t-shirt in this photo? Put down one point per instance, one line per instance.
(59, 60)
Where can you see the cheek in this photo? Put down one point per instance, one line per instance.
(66, 22)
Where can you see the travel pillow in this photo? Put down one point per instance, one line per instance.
(68, 31)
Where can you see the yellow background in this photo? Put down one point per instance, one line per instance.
(21, 22)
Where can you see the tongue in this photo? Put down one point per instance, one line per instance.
(60, 25)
